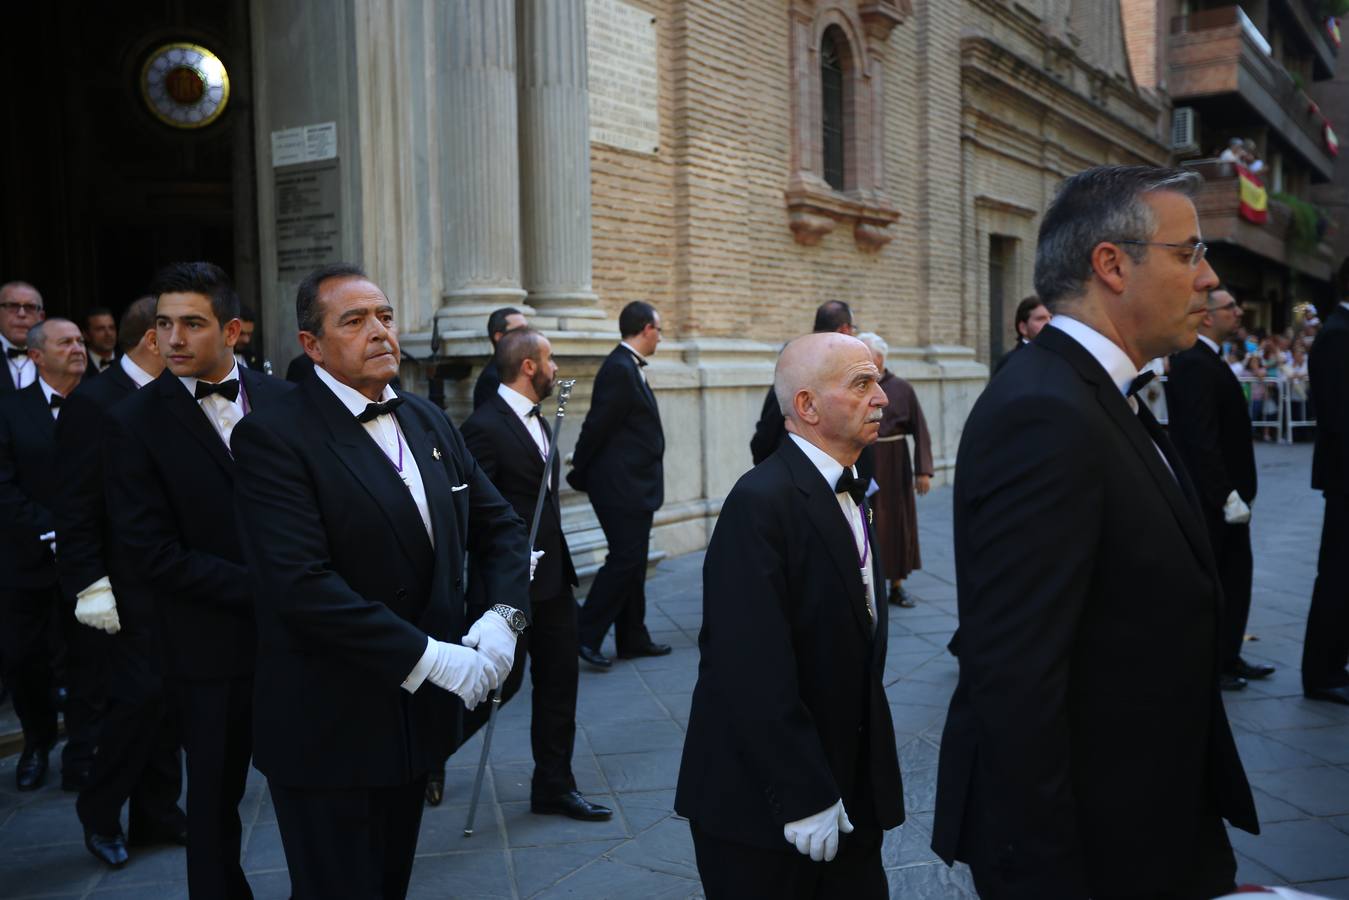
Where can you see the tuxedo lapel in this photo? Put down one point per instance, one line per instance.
(441, 503)
(35, 405)
(522, 435)
(193, 418)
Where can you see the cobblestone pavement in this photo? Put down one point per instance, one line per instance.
(632, 721)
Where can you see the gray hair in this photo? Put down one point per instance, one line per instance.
(875, 343)
(37, 335)
(1102, 204)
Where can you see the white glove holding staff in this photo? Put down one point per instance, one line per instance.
(1235, 510)
(534, 562)
(96, 607)
(494, 640)
(817, 836)
(462, 671)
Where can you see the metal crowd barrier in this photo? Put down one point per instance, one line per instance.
(1278, 410)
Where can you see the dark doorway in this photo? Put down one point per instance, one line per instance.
(97, 192)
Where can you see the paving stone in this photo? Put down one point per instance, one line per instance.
(49, 870)
(1297, 851)
(483, 875)
(527, 829)
(1336, 890)
(1320, 791)
(917, 754)
(539, 868)
(642, 809)
(615, 737)
(930, 881)
(148, 865)
(1268, 714)
(443, 829)
(1251, 872)
(1327, 744)
(1264, 754)
(665, 847)
(608, 879)
(649, 770)
(920, 789)
(264, 852)
(907, 845)
(1272, 809)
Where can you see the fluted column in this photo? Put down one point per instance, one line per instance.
(479, 159)
(555, 161)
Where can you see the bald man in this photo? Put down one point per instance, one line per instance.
(790, 774)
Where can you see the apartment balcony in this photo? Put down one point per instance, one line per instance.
(1311, 26)
(1220, 221)
(1220, 65)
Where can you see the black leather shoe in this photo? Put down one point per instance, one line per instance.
(32, 769)
(1331, 694)
(1250, 672)
(109, 849)
(1231, 682)
(651, 649)
(435, 789)
(571, 804)
(162, 833)
(595, 657)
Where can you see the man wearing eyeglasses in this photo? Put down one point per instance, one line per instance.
(20, 310)
(1087, 752)
(1210, 423)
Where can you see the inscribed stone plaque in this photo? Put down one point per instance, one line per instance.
(624, 72)
(308, 218)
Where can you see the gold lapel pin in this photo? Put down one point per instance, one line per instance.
(435, 453)
(870, 520)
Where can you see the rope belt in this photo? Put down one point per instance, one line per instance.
(890, 438)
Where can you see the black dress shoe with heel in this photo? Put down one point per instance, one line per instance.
(594, 657)
(573, 805)
(651, 648)
(435, 788)
(32, 769)
(109, 849)
(1329, 694)
(1229, 682)
(1250, 672)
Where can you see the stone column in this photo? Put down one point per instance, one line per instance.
(555, 162)
(479, 160)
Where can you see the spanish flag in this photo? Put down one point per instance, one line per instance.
(1254, 200)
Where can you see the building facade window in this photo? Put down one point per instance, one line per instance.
(832, 48)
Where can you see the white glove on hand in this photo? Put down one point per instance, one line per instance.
(461, 671)
(493, 639)
(96, 607)
(817, 836)
(50, 538)
(1235, 510)
(534, 562)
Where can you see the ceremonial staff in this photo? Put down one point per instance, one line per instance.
(564, 392)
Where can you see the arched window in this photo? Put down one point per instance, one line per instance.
(833, 46)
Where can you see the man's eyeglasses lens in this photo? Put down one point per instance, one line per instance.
(31, 309)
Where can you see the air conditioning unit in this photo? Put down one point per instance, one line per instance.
(1183, 131)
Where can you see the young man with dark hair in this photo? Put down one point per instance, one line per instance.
(1031, 316)
(170, 501)
(500, 322)
(618, 462)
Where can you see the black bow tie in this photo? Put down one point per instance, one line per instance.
(533, 411)
(641, 363)
(1140, 382)
(227, 389)
(102, 363)
(16, 352)
(55, 401)
(848, 484)
(374, 410)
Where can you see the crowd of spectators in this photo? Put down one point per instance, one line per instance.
(1271, 365)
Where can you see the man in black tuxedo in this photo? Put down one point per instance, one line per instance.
(100, 339)
(1068, 769)
(790, 774)
(28, 588)
(138, 735)
(501, 321)
(1210, 423)
(510, 438)
(170, 485)
(618, 462)
(1031, 316)
(20, 309)
(1325, 649)
(359, 506)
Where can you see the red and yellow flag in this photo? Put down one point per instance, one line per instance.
(1254, 200)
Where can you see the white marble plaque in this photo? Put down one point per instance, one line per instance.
(305, 144)
(624, 75)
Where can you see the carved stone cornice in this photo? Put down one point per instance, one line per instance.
(815, 210)
(879, 17)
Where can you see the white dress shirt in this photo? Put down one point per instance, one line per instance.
(223, 414)
(135, 372)
(830, 470)
(100, 362)
(641, 370)
(21, 368)
(521, 405)
(48, 392)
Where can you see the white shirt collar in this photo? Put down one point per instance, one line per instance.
(352, 399)
(1116, 363)
(48, 391)
(633, 350)
(191, 383)
(1212, 344)
(515, 400)
(1344, 303)
(7, 342)
(135, 372)
(830, 468)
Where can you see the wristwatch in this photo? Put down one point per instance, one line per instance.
(514, 618)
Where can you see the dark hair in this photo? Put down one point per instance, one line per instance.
(138, 319)
(831, 316)
(1104, 203)
(246, 313)
(97, 311)
(496, 322)
(203, 278)
(1025, 308)
(308, 315)
(634, 317)
(516, 346)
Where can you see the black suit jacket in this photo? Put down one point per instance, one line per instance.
(790, 675)
(27, 489)
(1210, 423)
(349, 586)
(1328, 380)
(618, 457)
(170, 486)
(6, 380)
(1002, 360)
(1067, 769)
(485, 388)
(499, 442)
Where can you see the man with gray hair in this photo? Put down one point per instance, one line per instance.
(1068, 769)
(20, 310)
(790, 775)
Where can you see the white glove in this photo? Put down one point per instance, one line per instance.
(50, 538)
(493, 639)
(96, 607)
(1235, 510)
(534, 562)
(817, 836)
(461, 671)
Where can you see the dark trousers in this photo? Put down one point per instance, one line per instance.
(618, 596)
(217, 720)
(1325, 650)
(354, 842)
(137, 761)
(86, 700)
(733, 871)
(1232, 552)
(27, 621)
